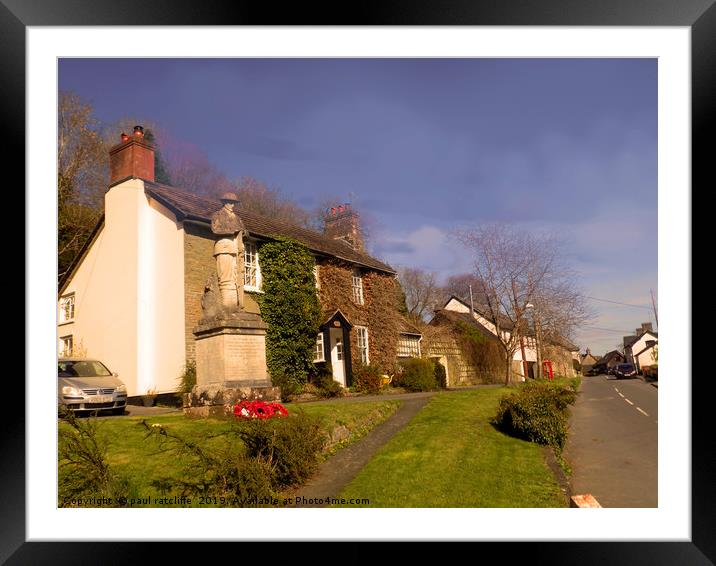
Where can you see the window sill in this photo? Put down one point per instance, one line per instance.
(66, 322)
(253, 290)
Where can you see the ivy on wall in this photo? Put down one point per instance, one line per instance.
(482, 353)
(290, 307)
(379, 313)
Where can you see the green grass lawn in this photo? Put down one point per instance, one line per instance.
(450, 455)
(142, 460)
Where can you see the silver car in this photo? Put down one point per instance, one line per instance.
(87, 386)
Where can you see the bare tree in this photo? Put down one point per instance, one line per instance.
(521, 281)
(557, 309)
(82, 172)
(461, 285)
(422, 292)
(258, 197)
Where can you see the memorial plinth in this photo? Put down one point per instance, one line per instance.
(230, 364)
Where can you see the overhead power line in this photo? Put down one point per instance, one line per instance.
(610, 329)
(617, 302)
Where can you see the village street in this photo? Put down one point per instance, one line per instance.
(612, 446)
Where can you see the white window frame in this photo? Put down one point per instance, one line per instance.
(319, 344)
(62, 349)
(405, 346)
(357, 286)
(315, 276)
(362, 341)
(251, 250)
(68, 299)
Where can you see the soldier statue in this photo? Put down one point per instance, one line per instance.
(229, 253)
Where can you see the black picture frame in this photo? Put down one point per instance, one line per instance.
(698, 15)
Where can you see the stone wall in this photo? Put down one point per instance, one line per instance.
(561, 359)
(443, 338)
(439, 341)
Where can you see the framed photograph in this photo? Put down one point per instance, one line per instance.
(662, 57)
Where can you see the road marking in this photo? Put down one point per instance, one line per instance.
(621, 395)
(642, 411)
(615, 389)
(627, 400)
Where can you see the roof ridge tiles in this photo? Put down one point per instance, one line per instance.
(199, 207)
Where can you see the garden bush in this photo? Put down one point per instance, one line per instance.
(225, 472)
(290, 446)
(367, 378)
(83, 467)
(324, 383)
(538, 412)
(289, 385)
(418, 374)
(187, 379)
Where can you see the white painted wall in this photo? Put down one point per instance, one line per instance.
(129, 292)
(161, 349)
(639, 345)
(457, 306)
(644, 359)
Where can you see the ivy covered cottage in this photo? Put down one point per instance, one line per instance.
(133, 297)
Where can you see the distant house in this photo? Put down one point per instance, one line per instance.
(453, 317)
(609, 360)
(587, 361)
(447, 339)
(563, 354)
(638, 348)
(132, 298)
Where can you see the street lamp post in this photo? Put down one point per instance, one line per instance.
(535, 324)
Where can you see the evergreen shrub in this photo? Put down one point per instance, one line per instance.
(367, 378)
(537, 412)
(325, 385)
(290, 307)
(417, 374)
(290, 446)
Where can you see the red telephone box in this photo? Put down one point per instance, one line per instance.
(547, 367)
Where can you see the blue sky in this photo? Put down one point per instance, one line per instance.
(426, 145)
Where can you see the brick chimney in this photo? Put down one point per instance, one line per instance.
(132, 157)
(341, 222)
(646, 327)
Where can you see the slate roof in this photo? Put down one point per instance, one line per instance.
(562, 343)
(405, 327)
(505, 323)
(454, 317)
(610, 356)
(630, 340)
(188, 206)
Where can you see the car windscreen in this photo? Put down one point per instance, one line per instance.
(84, 368)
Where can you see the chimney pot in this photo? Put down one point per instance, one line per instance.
(341, 223)
(132, 157)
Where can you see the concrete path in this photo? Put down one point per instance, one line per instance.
(613, 440)
(338, 471)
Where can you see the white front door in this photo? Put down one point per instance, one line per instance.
(338, 355)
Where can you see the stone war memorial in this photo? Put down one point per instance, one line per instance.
(230, 342)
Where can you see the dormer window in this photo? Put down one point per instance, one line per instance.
(357, 287)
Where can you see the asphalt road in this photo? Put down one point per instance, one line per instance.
(613, 442)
